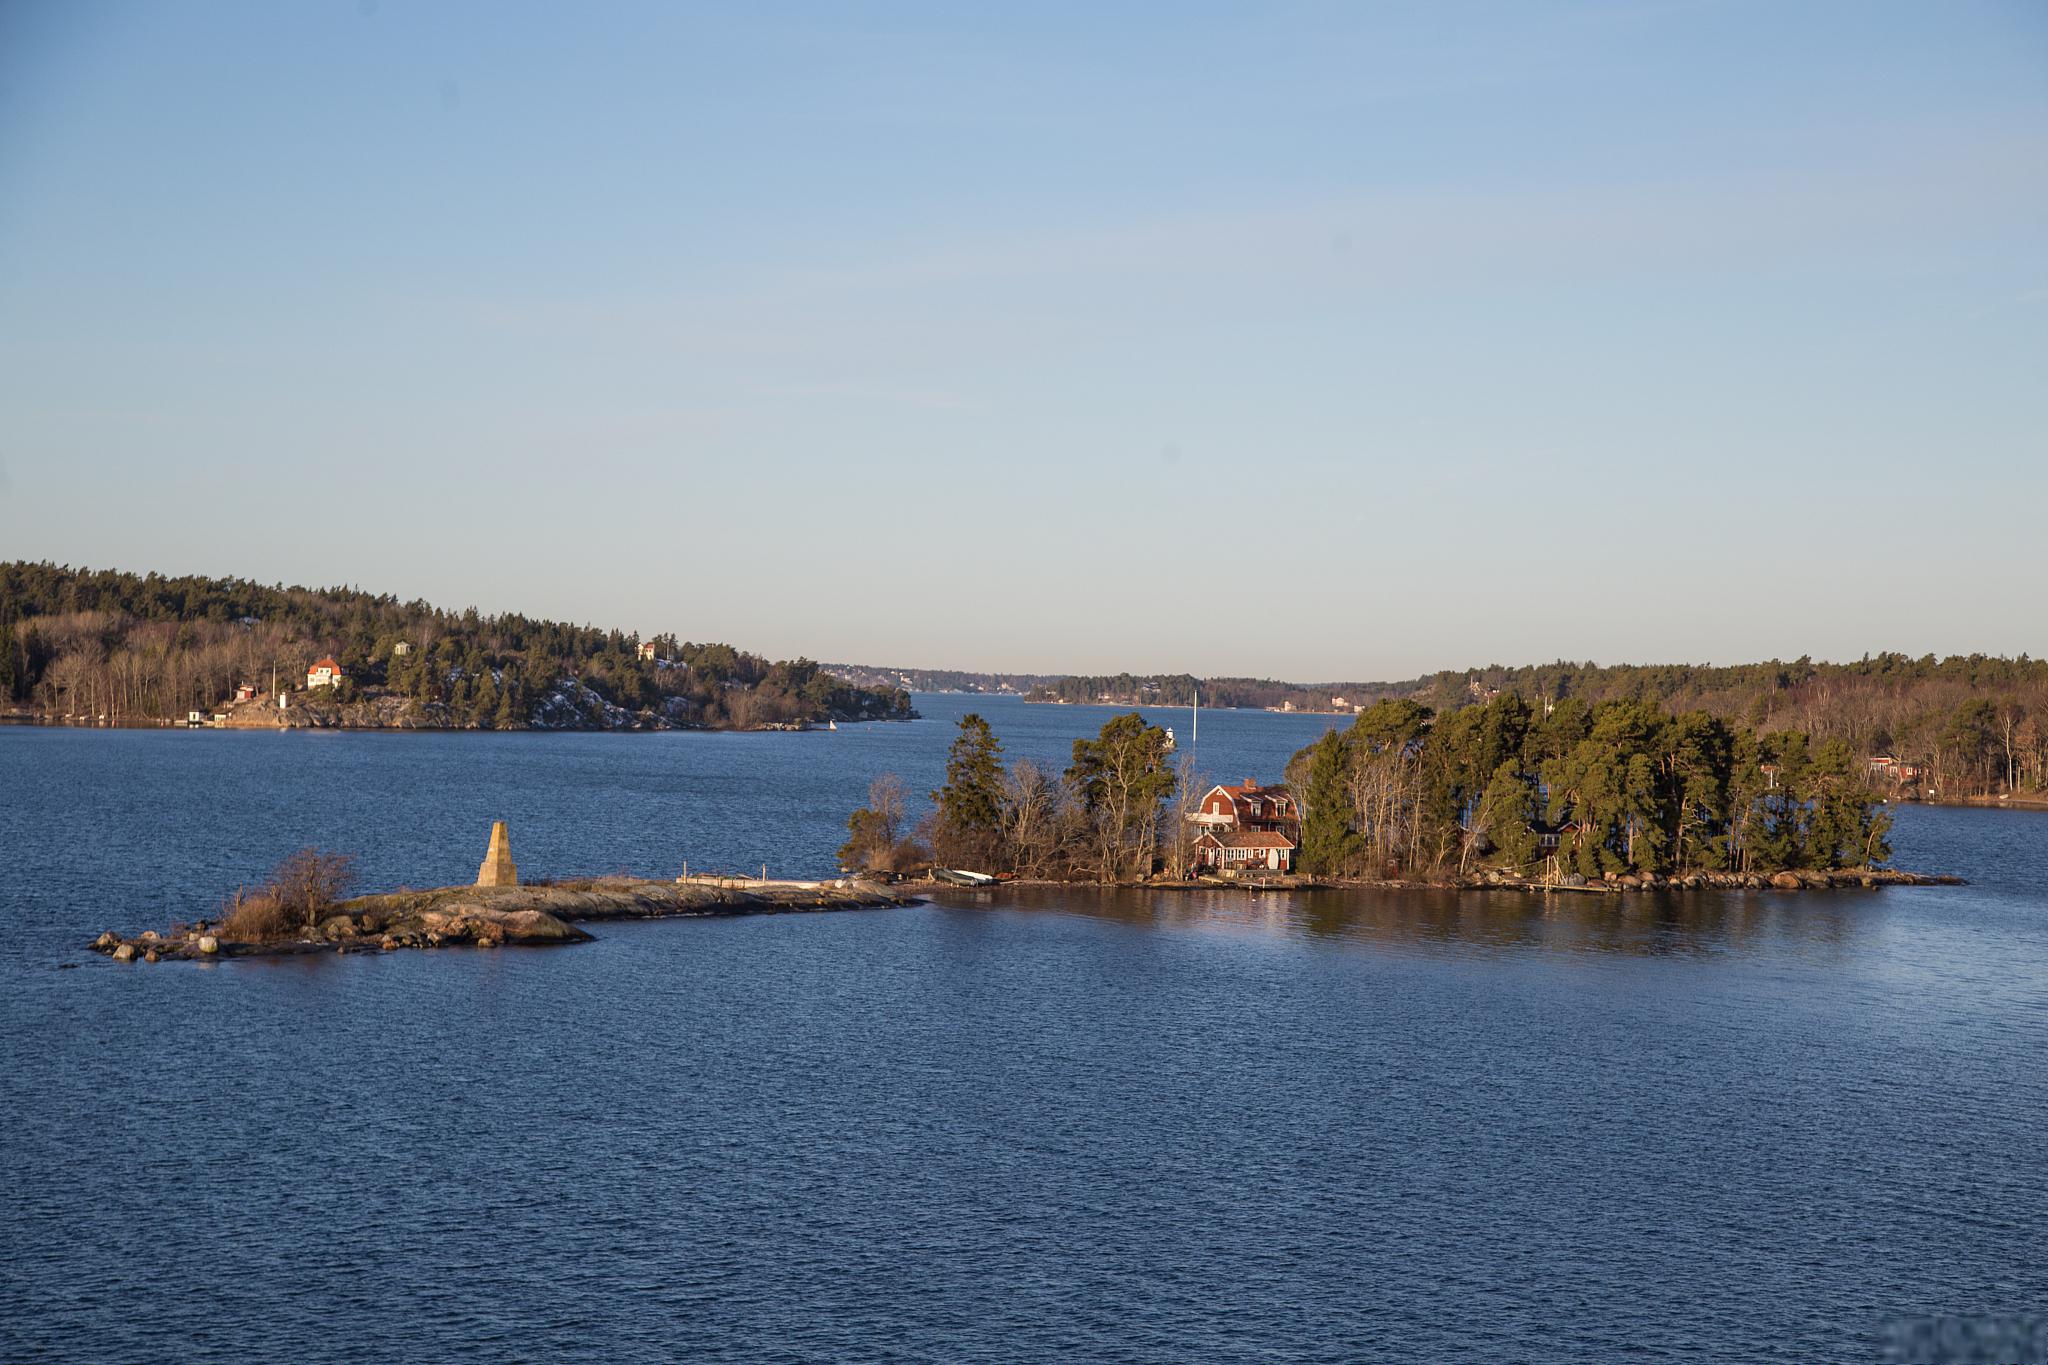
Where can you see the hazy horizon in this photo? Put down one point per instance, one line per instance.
(1312, 342)
(1054, 670)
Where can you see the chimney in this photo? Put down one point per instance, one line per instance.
(1250, 785)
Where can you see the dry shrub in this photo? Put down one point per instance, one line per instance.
(908, 856)
(302, 891)
(254, 917)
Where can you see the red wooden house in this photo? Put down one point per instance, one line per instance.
(1248, 826)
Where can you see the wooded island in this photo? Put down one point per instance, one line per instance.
(1566, 795)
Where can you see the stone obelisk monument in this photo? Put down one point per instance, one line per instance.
(498, 869)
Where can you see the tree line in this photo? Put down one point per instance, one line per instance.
(1623, 787)
(103, 644)
(1107, 817)
(1960, 727)
(1966, 725)
(1180, 689)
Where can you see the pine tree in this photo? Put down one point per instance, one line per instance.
(1505, 812)
(1776, 836)
(1842, 828)
(1329, 846)
(1642, 831)
(483, 706)
(1122, 775)
(1503, 729)
(970, 804)
(1698, 758)
(509, 707)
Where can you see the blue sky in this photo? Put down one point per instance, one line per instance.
(1312, 341)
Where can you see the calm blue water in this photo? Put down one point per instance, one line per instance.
(1066, 1126)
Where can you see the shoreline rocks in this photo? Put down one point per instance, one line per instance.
(1807, 879)
(539, 914)
(1812, 879)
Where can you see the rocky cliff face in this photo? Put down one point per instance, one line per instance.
(573, 706)
(569, 705)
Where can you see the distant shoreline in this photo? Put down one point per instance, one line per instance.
(46, 722)
(1175, 706)
(2009, 801)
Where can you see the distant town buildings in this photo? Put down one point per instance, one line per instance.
(1247, 827)
(647, 651)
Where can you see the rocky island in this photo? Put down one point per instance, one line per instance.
(299, 913)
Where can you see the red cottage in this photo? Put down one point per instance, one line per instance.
(1248, 826)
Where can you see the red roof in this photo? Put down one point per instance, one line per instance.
(1250, 801)
(1249, 790)
(326, 663)
(1248, 838)
(1249, 787)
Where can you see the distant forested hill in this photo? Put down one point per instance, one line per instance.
(1178, 689)
(939, 679)
(1963, 726)
(129, 647)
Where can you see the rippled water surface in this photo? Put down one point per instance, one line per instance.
(1056, 1125)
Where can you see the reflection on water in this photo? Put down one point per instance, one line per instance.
(1675, 923)
(1043, 1124)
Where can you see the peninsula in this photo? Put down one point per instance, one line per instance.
(304, 908)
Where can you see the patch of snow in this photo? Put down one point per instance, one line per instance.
(573, 706)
